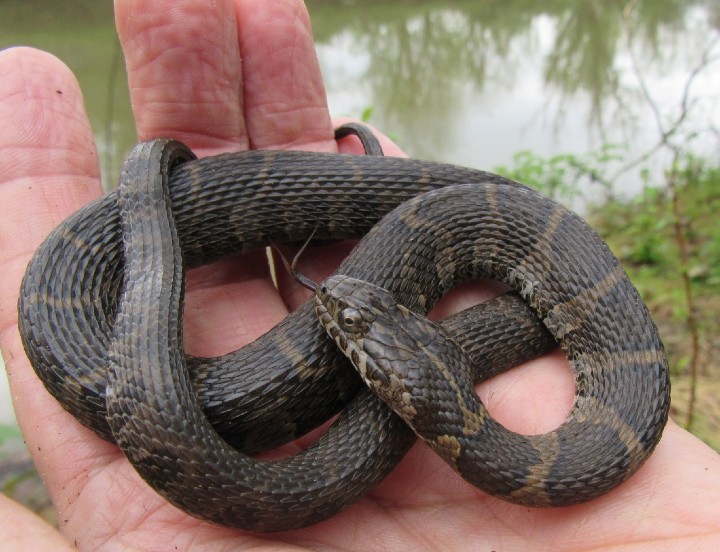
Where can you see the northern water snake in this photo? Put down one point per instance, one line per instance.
(293, 377)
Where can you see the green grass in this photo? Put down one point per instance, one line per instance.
(641, 232)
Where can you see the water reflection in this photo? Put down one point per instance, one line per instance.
(475, 82)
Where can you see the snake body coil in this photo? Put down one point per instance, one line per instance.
(164, 409)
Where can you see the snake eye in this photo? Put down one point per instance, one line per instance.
(350, 319)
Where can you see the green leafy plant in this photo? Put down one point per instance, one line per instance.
(564, 177)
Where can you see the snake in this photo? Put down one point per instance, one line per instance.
(100, 316)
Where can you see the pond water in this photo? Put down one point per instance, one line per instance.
(465, 82)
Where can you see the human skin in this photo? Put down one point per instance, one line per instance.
(227, 76)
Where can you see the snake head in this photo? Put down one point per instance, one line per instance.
(377, 335)
(347, 309)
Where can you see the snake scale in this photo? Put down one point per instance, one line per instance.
(101, 321)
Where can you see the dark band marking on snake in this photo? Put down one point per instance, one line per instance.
(236, 202)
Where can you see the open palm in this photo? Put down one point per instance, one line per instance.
(224, 76)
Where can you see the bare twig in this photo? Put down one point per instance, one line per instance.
(665, 131)
(630, 34)
(691, 320)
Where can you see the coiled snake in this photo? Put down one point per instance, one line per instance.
(101, 321)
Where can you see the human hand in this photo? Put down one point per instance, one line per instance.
(236, 76)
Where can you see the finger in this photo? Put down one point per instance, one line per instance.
(48, 169)
(273, 98)
(185, 77)
(284, 95)
(21, 529)
(184, 74)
